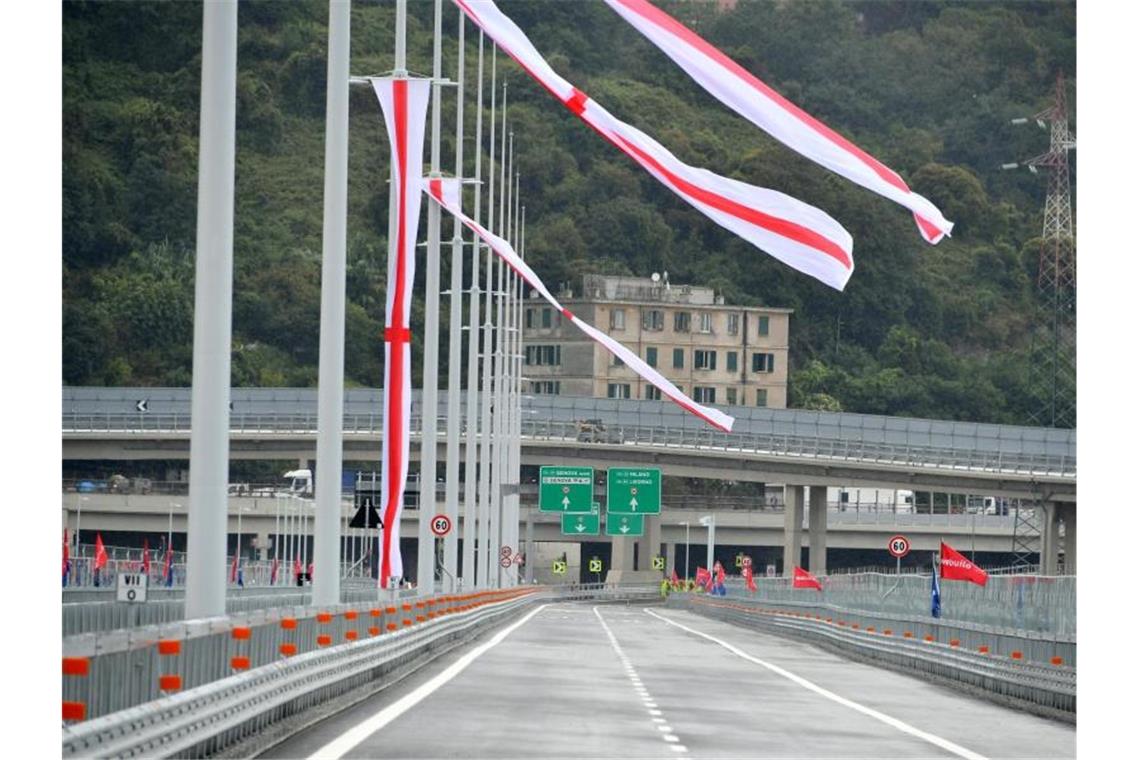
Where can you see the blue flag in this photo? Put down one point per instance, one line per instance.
(935, 595)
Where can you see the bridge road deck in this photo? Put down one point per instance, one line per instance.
(558, 687)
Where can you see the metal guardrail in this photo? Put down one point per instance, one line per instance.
(606, 592)
(753, 442)
(1007, 667)
(223, 711)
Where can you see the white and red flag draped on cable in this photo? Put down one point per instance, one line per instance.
(955, 567)
(733, 85)
(800, 235)
(803, 579)
(404, 102)
(445, 192)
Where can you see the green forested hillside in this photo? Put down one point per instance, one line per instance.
(929, 87)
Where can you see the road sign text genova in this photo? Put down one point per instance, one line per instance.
(633, 491)
(565, 489)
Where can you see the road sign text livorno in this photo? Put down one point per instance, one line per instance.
(565, 489)
(633, 491)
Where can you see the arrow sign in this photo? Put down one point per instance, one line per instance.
(565, 502)
(633, 504)
(141, 405)
(581, 525)
(625, 525)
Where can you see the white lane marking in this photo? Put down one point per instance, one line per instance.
(906, 728)
(344, 743)
(642, 692)
(678, 747)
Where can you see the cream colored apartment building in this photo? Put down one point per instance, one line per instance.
(718, 354)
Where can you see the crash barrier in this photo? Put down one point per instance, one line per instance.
(1032, 671)
(130, 667)
(602, 592)
(1024, 603)
(102, 613)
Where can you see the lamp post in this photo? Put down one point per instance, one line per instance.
(78, 516)
(709, 521)
(686, 524)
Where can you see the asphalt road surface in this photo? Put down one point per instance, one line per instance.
(585, 681)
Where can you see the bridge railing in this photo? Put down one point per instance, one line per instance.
(746, 441)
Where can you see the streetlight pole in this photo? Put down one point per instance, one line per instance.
(709, 521)
(686, 524)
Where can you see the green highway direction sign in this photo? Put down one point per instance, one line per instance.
(625, 525)
(633, 491)
(565, 489)
(578, 524)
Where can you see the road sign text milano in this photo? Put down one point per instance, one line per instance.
(633, 491)
(565, 489)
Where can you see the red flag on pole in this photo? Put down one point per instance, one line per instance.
(803, 579)
(100, 552)
(67, 558)
(955, 567)
(296, 568)
(704, 577)
(146, 557)
(672, 578)
(233, 569)
(273, 573)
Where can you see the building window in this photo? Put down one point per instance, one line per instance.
(733, 324)
(761, 397)
(730, 361)
(617, 390)
(730, 396)
(652, 393)
(704, 359)
(763, 362)
(618, 362)
(546, 387)
(538, 356)
(706, 322)
(762, 326)
(678, 358)
(547, 318)
(704, 394)
(654, 319)
(529, 319)
(682, 321)
(651, 356)
(617, 319)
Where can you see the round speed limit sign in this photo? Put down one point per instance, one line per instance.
(441, 525)
(898, 546)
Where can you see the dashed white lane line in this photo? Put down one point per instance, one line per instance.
(671, 739)
(906, 728)
(344, 743)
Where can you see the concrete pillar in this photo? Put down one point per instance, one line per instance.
(621, 554)
(671, 559)
(530, 553)
(1069, 516)
(817, 530)
(793, 526)
(263, 543)
(1049, 536)
(651, 544)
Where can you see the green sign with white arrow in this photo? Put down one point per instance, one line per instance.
(582, 524)
(633, 491)
(625, 525)
(565, 489)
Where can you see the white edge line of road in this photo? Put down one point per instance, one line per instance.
(344, 743)
(906, 728)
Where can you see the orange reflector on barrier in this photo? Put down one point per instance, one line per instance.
(420, 618)
(1057, 661)
(908, 635)
(928, 638)
(74, 711)
(239, 663)
(983, 649)
(289, 624)
(870, 629)
(169, 646)
(374, 613)
(242, 632)
(954, 642)
(407, 607)
(76, 666)
(392, 626)
(374, 631)
(350, 615)
(324, 640)
(1015, 655)
(170, 682)
(886, 631)
(324, 617)
(288, 649)
(390, 610)
(407, 622)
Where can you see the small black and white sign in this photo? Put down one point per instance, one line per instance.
(141, 405)
(131, 588)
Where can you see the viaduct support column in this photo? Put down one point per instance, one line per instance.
(1049, 538)
(621, 554)
(793, 526)
(1069, 544)
(817, 530)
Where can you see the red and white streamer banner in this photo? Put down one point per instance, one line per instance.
(794, 232)
(404, 102)
(445, 192)
(738, 89)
